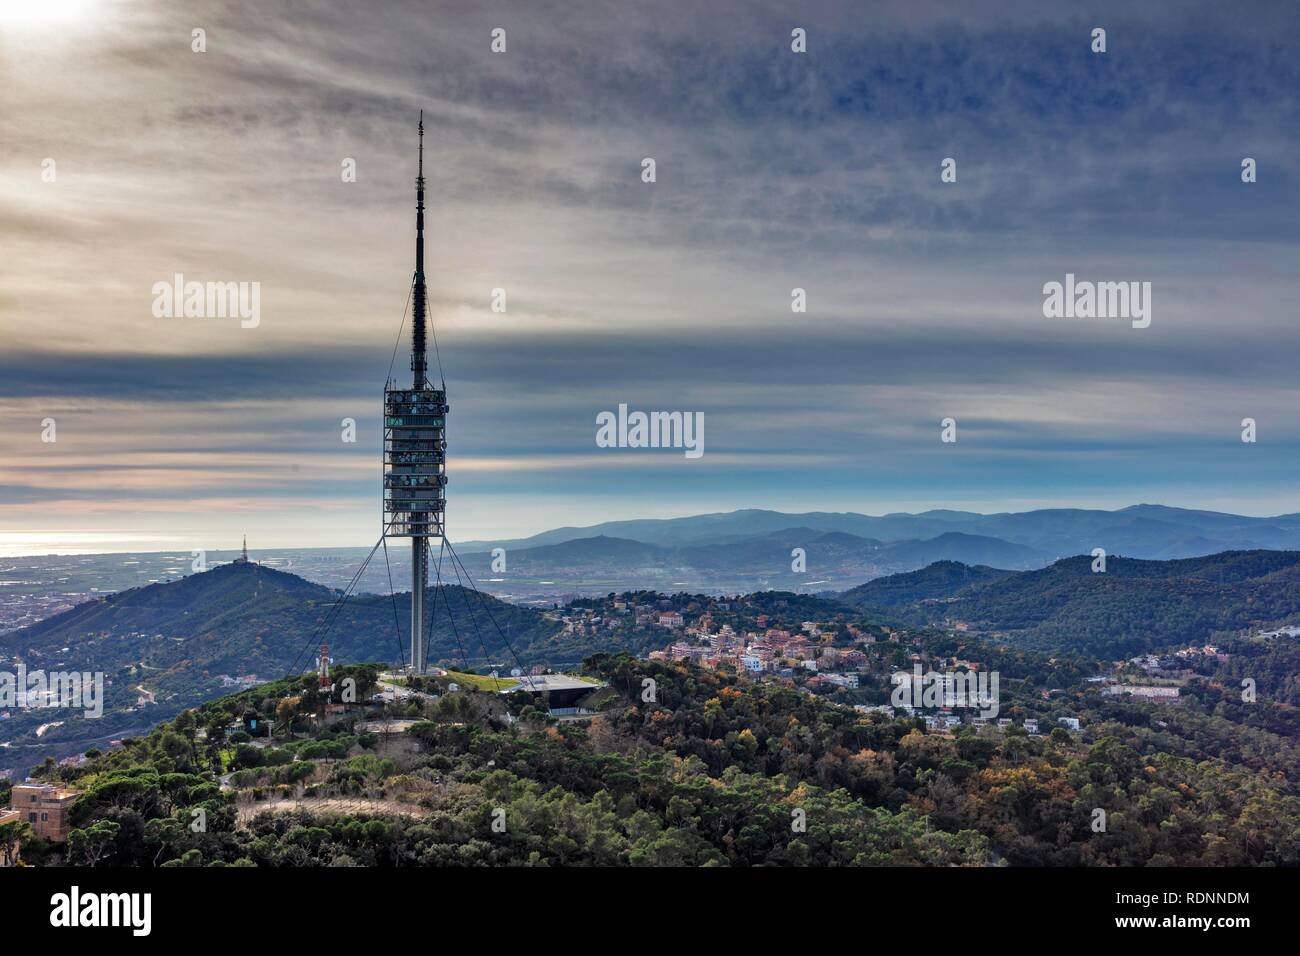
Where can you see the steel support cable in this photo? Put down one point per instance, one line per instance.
(397, 621)
(454, 629)
(400, 329)
(438, 578)
(456, 558)
(323, 627)
(473, 620)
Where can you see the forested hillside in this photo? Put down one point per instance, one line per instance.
(179, 638)
(938, 581)
(714, 770)
(1133, 606)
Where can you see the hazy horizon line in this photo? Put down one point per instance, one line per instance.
(187, 551)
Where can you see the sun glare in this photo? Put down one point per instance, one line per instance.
(20, 14)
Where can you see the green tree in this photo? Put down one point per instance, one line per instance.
(92, 844)
(12, 837)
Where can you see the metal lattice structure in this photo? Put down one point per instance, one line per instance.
(414, 462)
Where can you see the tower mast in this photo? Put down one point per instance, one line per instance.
(419, 545)
(415, 445)
(418, 362)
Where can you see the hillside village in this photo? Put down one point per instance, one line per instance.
(849, 659)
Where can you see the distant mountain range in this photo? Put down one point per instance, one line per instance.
(767, 555)
(751, 550)
(32, 588)
(1140, 531)
(733, 553)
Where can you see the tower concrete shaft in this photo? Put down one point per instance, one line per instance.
(419, 586)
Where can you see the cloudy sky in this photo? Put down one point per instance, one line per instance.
(775, 170)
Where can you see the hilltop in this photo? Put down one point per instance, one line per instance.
(241, 617)
(1134, 606)
(179, 639)
(942, 579)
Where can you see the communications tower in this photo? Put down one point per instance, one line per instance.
(415, 445)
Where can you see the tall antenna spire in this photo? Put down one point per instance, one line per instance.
(419, 365)
(415, 447)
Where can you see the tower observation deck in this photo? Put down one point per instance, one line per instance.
(415, 446)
